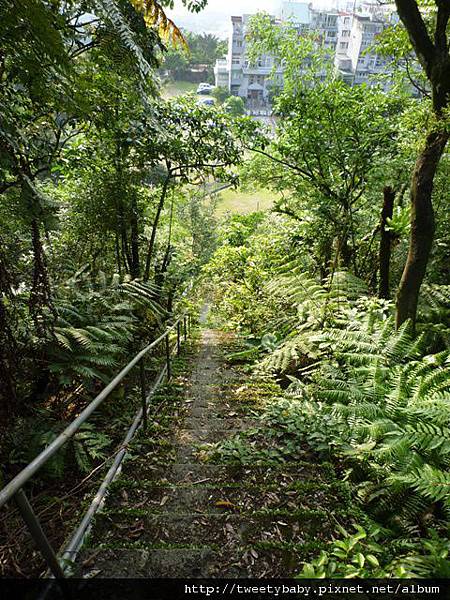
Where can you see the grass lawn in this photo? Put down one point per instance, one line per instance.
(177, 88)
(244, 202)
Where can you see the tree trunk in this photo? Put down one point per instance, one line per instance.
(8, 365)
(9, 355)
(345, 252)
(135, 263)
(125, 250)
(385, 242)
(40, 293)
(118, 257)
(151, 244)
(324, 262)
(422, 226)
(432, 53)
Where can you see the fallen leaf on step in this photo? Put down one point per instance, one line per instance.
(137, 531)
(164, 500)
(228, 527)
(225, 504)
(92, 574)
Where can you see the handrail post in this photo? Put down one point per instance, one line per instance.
(37, 533)
(169, 370)
(143, 394)
(14, 489)
(189, 324)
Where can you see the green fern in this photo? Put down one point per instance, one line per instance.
(96, 327)
(390, 407)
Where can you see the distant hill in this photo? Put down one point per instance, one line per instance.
(215, 18)
(216, 23)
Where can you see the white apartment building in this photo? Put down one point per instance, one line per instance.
(326, 24)
(235, 72)
(356, 59)
(346, 34)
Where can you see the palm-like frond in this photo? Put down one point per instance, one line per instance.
(154, 16)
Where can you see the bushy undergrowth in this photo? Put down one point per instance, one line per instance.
(96, 324)
(372, 400)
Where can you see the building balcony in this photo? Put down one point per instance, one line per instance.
(257, 70)
(221, 67)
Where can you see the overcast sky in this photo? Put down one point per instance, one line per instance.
(215, 17)
(231, 6)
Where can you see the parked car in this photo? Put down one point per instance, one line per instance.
(206, 102)
(204, 88)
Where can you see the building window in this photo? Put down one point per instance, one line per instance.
(346, 33)
(343, 45)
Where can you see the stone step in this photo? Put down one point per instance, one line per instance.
(171, 515)
(232, 530)
(195, 472)
(218, 410)
(146, 561)
(189, 437)
(206, 496)
(226, 422)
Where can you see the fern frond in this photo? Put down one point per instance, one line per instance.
(399, 346)
(429, 481)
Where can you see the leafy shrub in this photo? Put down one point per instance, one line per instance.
(362, 554)
(86, 447)
(96, 324)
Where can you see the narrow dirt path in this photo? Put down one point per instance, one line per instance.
(172, 514)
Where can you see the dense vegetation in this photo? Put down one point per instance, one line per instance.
(324, 290)
(341, 291)
(194, 62)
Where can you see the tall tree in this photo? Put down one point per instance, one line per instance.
(385, 241)
(331, 138)
(205, 148)
(431, 45)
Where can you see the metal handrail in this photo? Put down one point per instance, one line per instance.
(71, 549)
(14, 489)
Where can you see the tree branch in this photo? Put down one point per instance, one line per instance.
(410, 15)
(414, 83)
(280, 161)
(440, 34)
